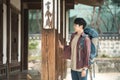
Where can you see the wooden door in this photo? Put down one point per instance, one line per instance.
(14, 36)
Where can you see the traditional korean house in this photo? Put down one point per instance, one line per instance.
(14, 36)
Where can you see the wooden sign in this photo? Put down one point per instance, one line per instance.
(48, 14)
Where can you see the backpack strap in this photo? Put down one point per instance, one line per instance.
(81, 43)
(82, 40)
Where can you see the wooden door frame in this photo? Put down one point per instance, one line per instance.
(1, 32)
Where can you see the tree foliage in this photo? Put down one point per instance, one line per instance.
(108, 18)
(35, 21)
(32, 44)
(116, 2)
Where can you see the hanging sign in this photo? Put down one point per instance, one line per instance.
(48, 14)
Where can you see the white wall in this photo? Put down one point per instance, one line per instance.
(19, 41)
(15, 3)
(4, 33)
(67, 27)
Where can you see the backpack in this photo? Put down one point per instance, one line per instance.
(93, 35)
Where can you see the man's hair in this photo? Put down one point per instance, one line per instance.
(80, 21)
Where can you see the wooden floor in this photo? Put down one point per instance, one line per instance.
(25, 75)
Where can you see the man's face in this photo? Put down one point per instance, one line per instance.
(77, 28)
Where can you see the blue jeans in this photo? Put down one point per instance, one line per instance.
(77, 75)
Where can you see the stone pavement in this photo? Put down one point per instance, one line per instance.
(98, 76)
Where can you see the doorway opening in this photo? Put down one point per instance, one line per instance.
(34, 41)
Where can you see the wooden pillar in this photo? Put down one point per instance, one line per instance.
(1, 32)
(59, 62)
(48, 42)
(24, 39)
(8, 36)
(25, 55)
(48, 54)
(63, 21)
(14, 35)
(52, 59)
(22, 34)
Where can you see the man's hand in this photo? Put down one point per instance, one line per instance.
(83, 73)
(60, 45)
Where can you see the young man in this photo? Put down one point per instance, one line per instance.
(78, 52)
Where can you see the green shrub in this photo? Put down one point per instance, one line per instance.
(32, 44)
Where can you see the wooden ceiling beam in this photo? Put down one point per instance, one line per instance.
(89, 2)
(69, 4)
(3, 1)
(34, 6)
(32, 1)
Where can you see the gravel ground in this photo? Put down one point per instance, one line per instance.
(98, 76)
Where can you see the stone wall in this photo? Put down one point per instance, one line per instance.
(109, 45)
(103, 65)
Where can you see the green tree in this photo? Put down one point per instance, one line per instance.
(35, 21)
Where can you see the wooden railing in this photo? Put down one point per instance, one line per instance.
(2, 69)
(13, 67)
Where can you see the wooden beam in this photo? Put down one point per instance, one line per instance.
(34, 5)
(24, 6)
(90, 2)
(48, 55)
(32, 1)
(1, 33)
(52, 60)
(8, 37)
(22, 38)
(15, 9)
(69, 4)
(30, 5)
(14, 35)
(25, 35)
(1, 1)
(4, 1)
